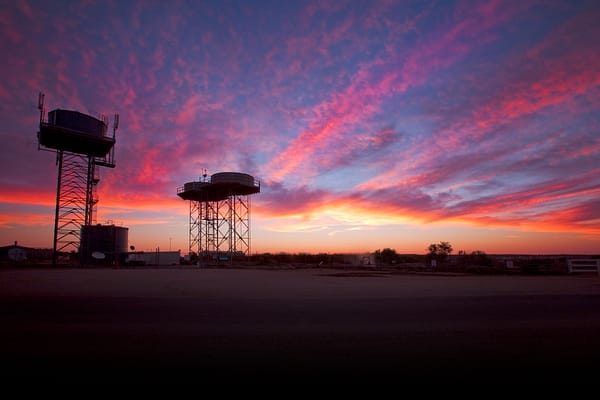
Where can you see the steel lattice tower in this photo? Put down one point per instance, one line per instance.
(219, 223)
(74, 200)
(81, 146)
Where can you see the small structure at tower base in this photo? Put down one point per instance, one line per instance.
(103, 244)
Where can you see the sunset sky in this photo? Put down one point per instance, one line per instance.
(369, 124)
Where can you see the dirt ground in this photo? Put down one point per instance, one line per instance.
(206, 324)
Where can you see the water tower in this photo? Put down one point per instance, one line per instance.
(220, 215)
(82, 144)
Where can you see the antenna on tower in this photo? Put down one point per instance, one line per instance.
(41, 106)
(115, 124)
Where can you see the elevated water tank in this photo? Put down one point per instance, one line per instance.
(220, 187)
(236, 178)
(75, 132)
(236, 183)
(77, 122)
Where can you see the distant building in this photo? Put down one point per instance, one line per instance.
(20, 254)
(365, 259)
(17, 253)
(154, 258)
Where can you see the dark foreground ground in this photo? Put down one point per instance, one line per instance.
(230, 325)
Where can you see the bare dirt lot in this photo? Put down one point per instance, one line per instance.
(205, 325)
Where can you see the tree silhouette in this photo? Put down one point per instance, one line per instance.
(439, 251)
(386, 256)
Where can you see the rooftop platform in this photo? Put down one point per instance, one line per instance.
(220, 186)
(55, 137)
(75, 132)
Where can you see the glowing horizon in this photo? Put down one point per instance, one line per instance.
(369, 125)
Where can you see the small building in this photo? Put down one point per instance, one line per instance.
(16, 254)
(154, 258)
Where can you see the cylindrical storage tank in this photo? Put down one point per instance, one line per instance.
(103, 244)
(76, 121)
(232, 178)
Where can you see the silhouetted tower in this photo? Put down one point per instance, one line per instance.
(82, 144)
(220, 215)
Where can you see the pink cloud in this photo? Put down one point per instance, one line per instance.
(363, 96)
(199, 105)
(12, 220)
